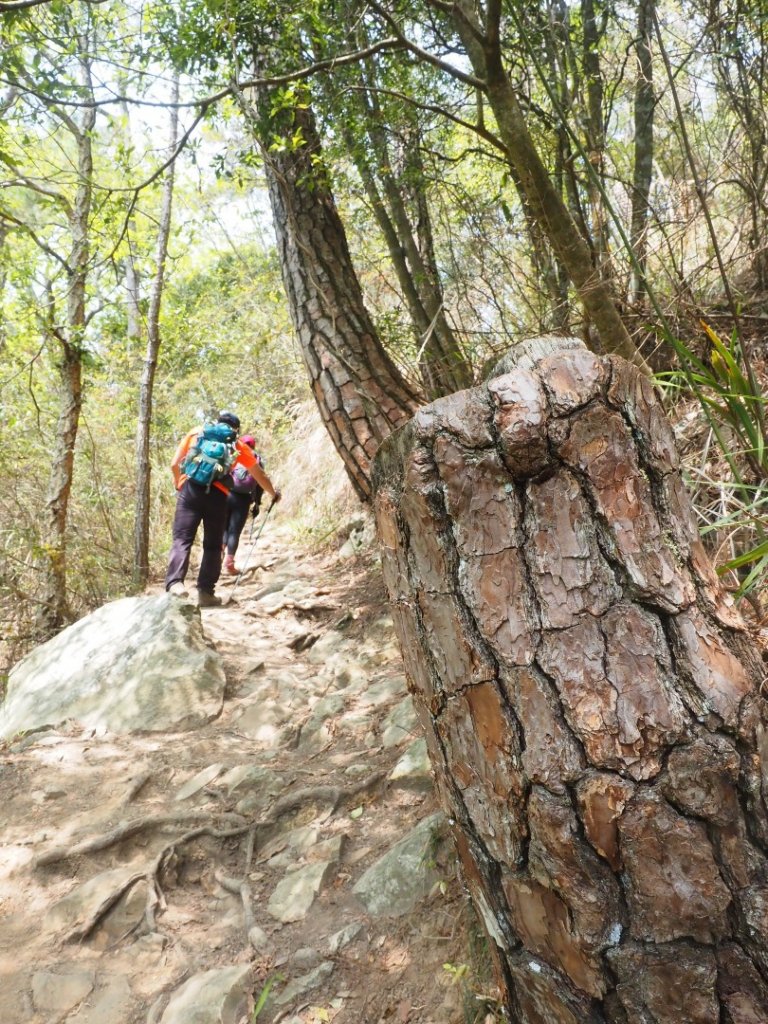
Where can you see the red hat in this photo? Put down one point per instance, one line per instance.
(249, 440)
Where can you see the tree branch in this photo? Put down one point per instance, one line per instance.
(435, 108)
(24, 181)
(10, 219)
(425, 55)
(391, 43)
(22, 5)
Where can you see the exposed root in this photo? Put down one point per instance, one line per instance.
(331, 795)
(122, 831)
(137, 784)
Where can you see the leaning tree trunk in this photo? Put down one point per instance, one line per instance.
(483, 46)
(590, 698)
(359, 391)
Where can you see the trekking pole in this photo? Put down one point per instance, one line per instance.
(250, 549)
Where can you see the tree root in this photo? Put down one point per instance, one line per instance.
(137, 784)
(120, 832)
(332, 795)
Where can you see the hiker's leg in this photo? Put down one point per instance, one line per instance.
(231, 505)
(189, 512)
(238, 513)
(213, 534)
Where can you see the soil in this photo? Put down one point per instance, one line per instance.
(68, 785)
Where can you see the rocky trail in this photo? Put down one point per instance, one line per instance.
(283, 861)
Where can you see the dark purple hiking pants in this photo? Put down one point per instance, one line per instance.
(237, 513)
(195, 505)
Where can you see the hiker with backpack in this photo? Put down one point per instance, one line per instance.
(245, 492)
(202, 472)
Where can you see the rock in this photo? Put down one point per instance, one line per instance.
(259, 786)
(314, 732)
(305, 957)
(59, 993)
(398, 880)
(350, 679)
(257, 937)
(110, 1001)
(401, 724)
(285, 849)
(264, 721)
(414, 768)
(140, 664)
(251, 776)
(342, 938)
(328, 849)
(219, 996)
(296, 893)
(199, 781)
(126, 915)
(83, 903)
(327, 648)
(384, 690)
(306, 983)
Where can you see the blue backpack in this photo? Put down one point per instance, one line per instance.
(212, 455)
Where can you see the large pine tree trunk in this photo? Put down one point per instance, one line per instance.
(591, 701)
(359, 391)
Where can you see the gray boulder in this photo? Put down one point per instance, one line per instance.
(140, 664)
(219, 996)
(404, 875)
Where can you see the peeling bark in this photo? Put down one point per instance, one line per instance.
(588, 694)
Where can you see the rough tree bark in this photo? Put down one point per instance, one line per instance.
(359, 391)
(590, 699)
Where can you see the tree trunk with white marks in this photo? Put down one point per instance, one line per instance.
(361, 395)
(590, 698)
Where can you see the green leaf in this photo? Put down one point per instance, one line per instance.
(761, 551)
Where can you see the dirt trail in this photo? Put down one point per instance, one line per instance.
(303, 751)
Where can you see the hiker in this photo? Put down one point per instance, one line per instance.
(201, 468)
(245, 492)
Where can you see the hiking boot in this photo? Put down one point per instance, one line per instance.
(177, 589)
(207, 600)
(229, 565)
